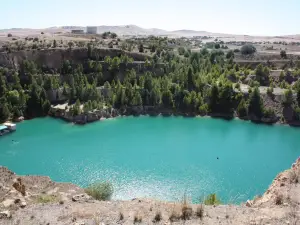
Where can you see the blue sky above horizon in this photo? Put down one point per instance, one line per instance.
(252, 17)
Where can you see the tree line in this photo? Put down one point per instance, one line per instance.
(197, 83)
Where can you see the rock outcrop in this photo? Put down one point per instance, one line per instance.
(52, 58)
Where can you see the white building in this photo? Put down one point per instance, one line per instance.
(91, 30)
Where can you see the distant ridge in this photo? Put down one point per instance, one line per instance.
(134, 30)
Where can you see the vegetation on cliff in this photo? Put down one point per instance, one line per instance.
(192, 83)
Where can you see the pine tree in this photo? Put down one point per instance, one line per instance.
(255, 104)
(4, 112)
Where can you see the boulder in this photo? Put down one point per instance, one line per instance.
(19, 186)
(23, 204)
(249, 203)
(81, 198)
(5, 214)
(8, 202)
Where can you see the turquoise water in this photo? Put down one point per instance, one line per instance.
(160, 158)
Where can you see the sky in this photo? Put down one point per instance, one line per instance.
(251, 17)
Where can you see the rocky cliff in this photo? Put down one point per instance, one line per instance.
(53, 58)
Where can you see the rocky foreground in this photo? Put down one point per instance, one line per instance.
(38, 200)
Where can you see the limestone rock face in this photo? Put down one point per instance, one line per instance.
(5, 214)
(81, 198)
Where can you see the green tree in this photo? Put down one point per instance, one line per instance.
(4, 112)
(141, 48)
(214, 98)
(288, 97)
(190, 79)
(255, 104)
(54, 43)
(283, 54)
(242, 108)
(167, 99)
(76, 109)
(13, 97)
(155, 97)
(298, 96)
(248, 49)
(46, 107)
(136, 98)
(181, 50)
(71, 44)
(229, 54)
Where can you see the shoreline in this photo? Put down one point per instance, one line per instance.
(83, 119)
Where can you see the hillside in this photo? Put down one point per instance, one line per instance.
(133, 30)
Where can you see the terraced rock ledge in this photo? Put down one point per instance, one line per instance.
(38, 200)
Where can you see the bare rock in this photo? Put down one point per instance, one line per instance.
(19, 186)
(23, 204)
(5, 214)
(249, 203)
(8, 202)
(81, 198)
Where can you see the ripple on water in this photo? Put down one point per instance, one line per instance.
(160, 158)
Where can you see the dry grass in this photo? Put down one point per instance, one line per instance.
(200, 211)
(278, 199)
(121, 216)
(295, 175)
(137, 218)
(157, 217)
(186, 209)
(47, 199)
(175, 215)
(96, 220)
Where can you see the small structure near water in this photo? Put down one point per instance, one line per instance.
(7, 128)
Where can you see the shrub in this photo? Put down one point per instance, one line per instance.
(288, 97)
(200, 211)
(137, 218)
(270, 91)
(100, 191)
(157, 217)
(248, 49)
(121, 216)
(181, 50)
(186, 209)
(212, 199)
(242, 108)
(203, 109)
(278, 199)
(229, 54)
(175, 216)
(269, 113)
(237, 85)
(47, 199)
(9, 35)
(236, 50)
(294, 175)
(283, 54)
